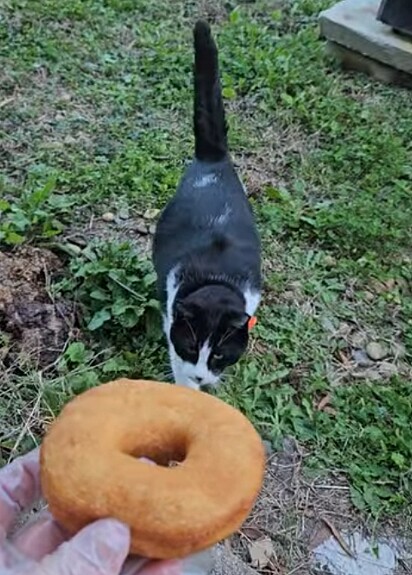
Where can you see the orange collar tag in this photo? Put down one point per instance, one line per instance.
(252, 322)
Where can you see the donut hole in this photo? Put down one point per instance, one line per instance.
(171, 455)
(174, 462)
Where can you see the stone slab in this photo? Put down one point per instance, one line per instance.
(350, 60)
(226, 563)
(353, 24)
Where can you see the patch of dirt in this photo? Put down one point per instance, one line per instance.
(119, 225)
(34, 327)
(295, 513)
(272, 165)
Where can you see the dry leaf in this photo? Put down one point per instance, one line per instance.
(261, 552)
(383, 287)
(252, 533)
(344, 359)
(324, 402)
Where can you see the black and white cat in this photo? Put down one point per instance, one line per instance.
(206, 248)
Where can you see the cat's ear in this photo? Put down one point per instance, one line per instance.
(182, 310)
(239, 320)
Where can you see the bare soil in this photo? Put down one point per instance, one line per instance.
(34, 326)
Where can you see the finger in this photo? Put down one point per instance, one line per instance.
(39, 537)
(19, 487)
(99, 549)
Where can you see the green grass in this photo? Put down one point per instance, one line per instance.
(96, 115)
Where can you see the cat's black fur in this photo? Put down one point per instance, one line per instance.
(207, 240)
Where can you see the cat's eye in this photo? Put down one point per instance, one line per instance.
(218, 356)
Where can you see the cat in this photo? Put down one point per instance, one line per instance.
(206, 247)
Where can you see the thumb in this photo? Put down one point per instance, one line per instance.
(99, 549)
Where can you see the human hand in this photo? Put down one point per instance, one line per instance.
(43, 548)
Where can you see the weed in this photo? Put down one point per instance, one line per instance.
(31, 217)
(115, 288)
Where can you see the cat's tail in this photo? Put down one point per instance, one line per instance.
(209, 116)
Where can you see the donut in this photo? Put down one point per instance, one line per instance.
(93, 467)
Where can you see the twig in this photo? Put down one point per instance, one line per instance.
(297, 568)
(334, 487)
(7, 101)
(338, 537)
(25, 427)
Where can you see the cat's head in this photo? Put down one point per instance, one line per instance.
(209, 332)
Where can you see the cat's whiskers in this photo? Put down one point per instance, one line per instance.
(227, 335)
(192, 331)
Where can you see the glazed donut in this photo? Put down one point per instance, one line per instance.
(91, 466)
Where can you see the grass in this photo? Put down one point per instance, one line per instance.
(96, 117)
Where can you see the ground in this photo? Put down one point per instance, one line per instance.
(95, 110)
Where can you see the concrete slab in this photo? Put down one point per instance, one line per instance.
(353, 25)
(351, 60)
(226, 563)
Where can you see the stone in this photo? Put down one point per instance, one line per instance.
(141, 228)
(361, 358)
(329, 261)
(376, 350)
(124, 213)
(353, 25)
(108, 217)
(151, 214)
(358, 340)
(387, 369)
